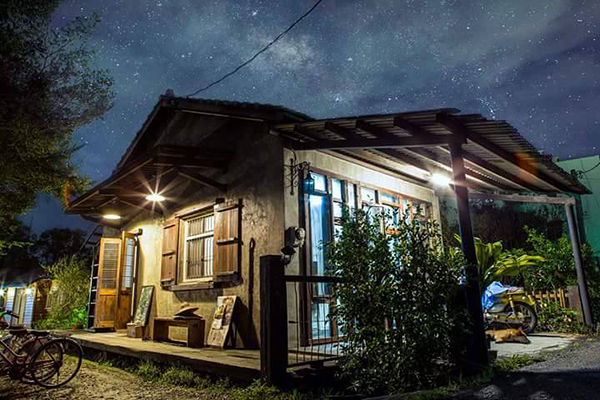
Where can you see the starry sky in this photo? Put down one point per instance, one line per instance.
(534, 63)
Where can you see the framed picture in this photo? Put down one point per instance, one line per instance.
(142, 311)
(219, 330)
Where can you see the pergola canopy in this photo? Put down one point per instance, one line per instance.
(496, 156)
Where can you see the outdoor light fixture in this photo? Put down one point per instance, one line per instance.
(309, 183)
(29, 291)
(155, 197)
(440, 180)
(111, 211)
(297, 175)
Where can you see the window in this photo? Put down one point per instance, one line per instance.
(127, 278)
(324, 208)
(198, 247)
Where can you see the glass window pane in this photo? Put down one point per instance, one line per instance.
(320, 222)
(336, 189)
(352, 196)
(337, 209)
(321, 323)
(367, 195)
(320, 182)
(392, 215)
(337, 231)
(388, 198)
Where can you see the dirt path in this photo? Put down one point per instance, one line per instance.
(574, 374)
(98, 382)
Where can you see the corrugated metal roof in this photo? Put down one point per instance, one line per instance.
(496, 154)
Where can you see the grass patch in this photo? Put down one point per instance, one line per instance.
(515, 363)
(186, 378)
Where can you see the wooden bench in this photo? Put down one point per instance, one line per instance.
(195, 330)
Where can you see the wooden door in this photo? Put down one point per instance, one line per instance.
(126, 276)
(108, 283)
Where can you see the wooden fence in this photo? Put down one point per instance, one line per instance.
(568, 298)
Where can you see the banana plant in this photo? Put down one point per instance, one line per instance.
(494, 263)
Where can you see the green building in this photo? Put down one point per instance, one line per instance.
(587, 169)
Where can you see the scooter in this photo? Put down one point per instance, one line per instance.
(510, 307)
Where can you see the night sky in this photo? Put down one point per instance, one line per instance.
(534, 63)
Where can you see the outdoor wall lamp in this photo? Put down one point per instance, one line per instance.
(155, 197)
(440, 180)
(111, 212)
(297, 175)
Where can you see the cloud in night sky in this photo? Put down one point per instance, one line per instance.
(534, 63)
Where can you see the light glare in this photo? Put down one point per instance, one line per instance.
(155, 197)
(111, 216)
(440, 180)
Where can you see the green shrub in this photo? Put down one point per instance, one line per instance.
(71, 276)
(395, 305)
(557, 271)
(554, 318)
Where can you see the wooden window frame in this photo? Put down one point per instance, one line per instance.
(306, 333)
(183, 243)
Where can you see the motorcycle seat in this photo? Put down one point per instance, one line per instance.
(37, 333)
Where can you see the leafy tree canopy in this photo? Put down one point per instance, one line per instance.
(48, 89)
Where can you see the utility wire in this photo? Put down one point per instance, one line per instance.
(282, 34)
(591, 169)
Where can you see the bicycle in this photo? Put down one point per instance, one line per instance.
(42, 358)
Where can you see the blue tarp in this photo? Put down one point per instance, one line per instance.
(495, 288)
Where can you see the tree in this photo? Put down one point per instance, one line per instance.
(48, 89)
(503, 221)
(57, 243)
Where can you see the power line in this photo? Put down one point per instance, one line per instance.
(282, 34)
(591, 169)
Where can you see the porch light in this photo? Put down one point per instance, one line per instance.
(440, 180)
(309, 183)
(155, 197)
(111, 212)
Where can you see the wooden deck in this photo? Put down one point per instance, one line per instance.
(238, 364)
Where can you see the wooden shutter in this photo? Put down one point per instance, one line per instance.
(227, 240)
(168, 272)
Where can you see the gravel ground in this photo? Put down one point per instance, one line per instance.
(572, 374)
(99, 382)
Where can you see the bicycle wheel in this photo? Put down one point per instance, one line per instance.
(56, 362)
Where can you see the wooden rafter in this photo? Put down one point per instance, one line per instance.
(435, 164)
(396, 142)
(203, 180)
(456, 127)
(347, 134)
(472, 160)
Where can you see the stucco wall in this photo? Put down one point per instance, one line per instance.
(254, 175)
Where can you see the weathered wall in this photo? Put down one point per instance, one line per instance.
(253, 175)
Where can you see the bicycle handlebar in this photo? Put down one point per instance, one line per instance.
(8, 312)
